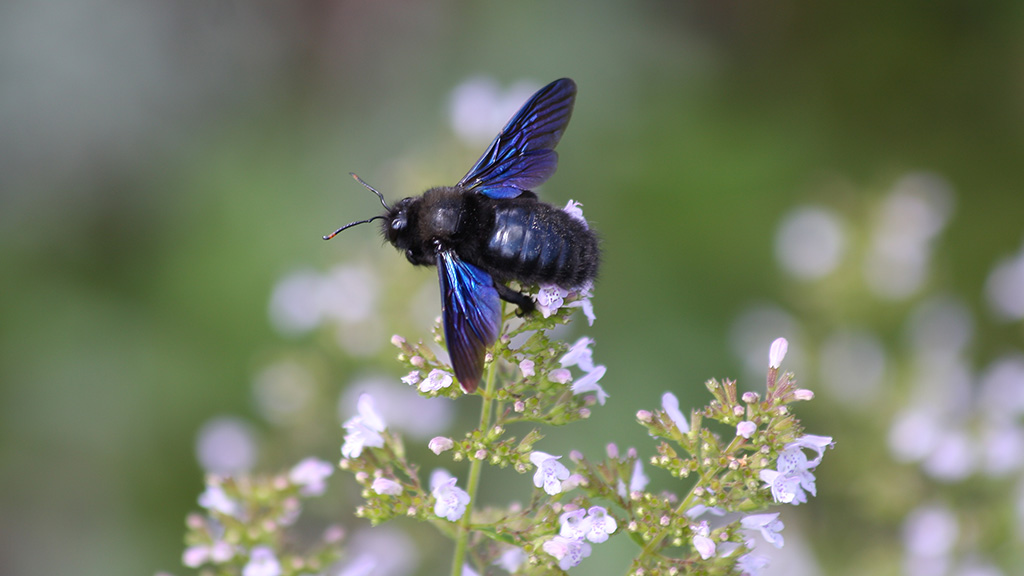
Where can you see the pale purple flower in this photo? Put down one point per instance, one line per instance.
(560, 375)
(746, 429)
(704, 545)
(262, 562)
(527, 367)
(670, 404)
(793, 475)
(579, 355)
(215, 499)
(511, 559)
(574, 524)
(550, 472)
(412, 378)
(311, 476)
(386, 487)
(786, 488)
(584, 294)
(601, 525)
(550, 298)
(638, 480)
(568, 552)
(699, 510)
(574, 209)
(436, 380)
(811, 442)
(440, 444)
(588, 383)
(363, 429)
(768, 524)
(450, 500)
(777, 352)
(752, 564)
(195, 556)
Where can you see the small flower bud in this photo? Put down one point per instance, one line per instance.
(480, 454)
(777, 352)
(803, 394)
(750, 397)
(644, 416)
(612, 450)
(560, 375)
(440, 444)
(519, 406)
(397, 340)
(417, 361)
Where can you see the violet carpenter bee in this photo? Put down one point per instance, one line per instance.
(490, 228)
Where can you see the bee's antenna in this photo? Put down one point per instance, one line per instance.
(347, 226)
(371, 189)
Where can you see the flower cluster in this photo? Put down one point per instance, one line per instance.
(244, 526)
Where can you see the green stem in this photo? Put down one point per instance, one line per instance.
(475, 467)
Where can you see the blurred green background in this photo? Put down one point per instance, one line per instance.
(163, 166)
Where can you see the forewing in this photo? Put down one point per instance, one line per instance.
(523, 154)
(472, 315)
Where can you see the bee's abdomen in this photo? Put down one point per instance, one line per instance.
(537, 243)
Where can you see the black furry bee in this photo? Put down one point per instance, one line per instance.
(490, 228)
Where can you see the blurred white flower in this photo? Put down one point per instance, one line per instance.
(311, 475)
(810, 242)
(479, 108)
(226, 445)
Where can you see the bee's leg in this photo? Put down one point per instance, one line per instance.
(507, 294)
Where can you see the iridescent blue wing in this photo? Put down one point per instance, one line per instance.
(472, 315)
(523, 155)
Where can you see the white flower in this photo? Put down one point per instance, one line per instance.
(670, 404)
(579, 355)
(363, 429)
(601, 525)
(568, 552)
(574, 209)
(705, 546)
(436, 380)
(412, 378)
(450, 500)
(311, 476)
(550, 472)
(746, 429)
(574, 524)
(440, 444)
(777, 352)
(769, 525)
(550, 298)
(215, 499)
(386, 487)
(588, 383)
(262, 562)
